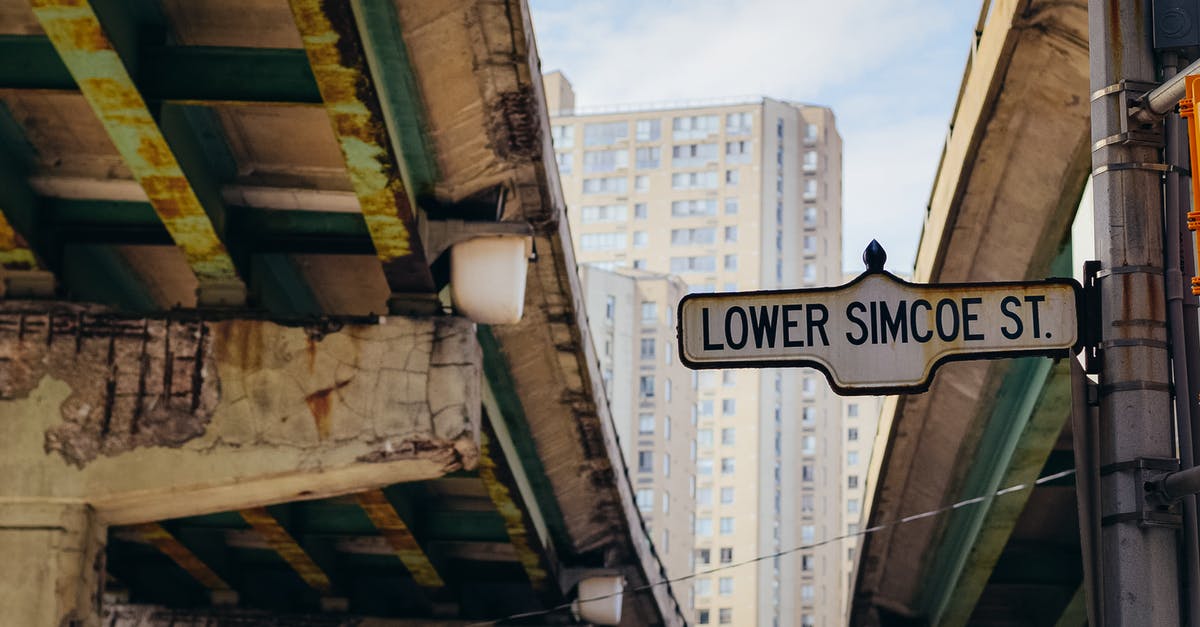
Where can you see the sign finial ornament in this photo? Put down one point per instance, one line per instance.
(874, 256)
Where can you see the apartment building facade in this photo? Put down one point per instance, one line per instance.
(732, 196)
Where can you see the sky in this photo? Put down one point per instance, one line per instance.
(890, 69)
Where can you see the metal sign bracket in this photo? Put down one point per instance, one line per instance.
(1149, 511)
(1090, 317)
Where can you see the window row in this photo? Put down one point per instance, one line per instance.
(704, 496)
(724, 616)
(704, 466)
(704, 526)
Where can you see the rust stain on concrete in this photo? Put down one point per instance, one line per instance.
(319, 403)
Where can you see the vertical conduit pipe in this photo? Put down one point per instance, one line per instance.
(1174, 245)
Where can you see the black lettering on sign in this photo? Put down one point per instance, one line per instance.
(874, 322)
(817, 323)
(969, 317)
(708, 345)
(917, 335)
(1005, 308)
(862, 326)
(741, 313)
(1037, 328)
(947, 336)
(789, 324)
(897, 325)
(764, 325)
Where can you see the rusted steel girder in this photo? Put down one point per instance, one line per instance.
(286, 546)
(15, 253)
(339, 64)
(170, 546)
(497, 478)
(385, 518)
(75, 30)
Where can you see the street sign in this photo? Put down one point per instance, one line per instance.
(879, 334)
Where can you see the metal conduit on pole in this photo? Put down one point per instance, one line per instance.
(1140, 556)
(1175, 243)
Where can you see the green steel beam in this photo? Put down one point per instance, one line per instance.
(90, 54)
(183, 74)
(511, 417)
(399, 95)
(1075, 614)
(339, 62)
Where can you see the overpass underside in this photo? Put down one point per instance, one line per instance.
(236, 387)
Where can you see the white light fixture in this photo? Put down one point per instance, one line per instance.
(487, 277)
(599, 600)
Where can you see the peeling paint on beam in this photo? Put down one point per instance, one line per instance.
(15, 253)
(286, 546)
(170, 546)
(339, 65)
(92, 59)
(519, 532)
(385, 518)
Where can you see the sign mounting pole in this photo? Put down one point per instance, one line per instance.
(1138, 552)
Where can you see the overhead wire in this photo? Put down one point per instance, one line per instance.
(804, 547)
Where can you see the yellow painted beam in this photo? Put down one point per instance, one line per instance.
(90, 56)
(385, 518)
(339, 65)
(15, 253)
(170, 546)
(519, 533)
(286, 546)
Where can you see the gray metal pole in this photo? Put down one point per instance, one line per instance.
(1140, 566)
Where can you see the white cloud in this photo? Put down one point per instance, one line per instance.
(890, 70)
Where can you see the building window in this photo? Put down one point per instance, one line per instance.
(739, 123)
(666, 464)
(806, 593)
(704, 467)
(731, 177)
(704, 527)
(726, 555)
(731, 234)
(810, 132)
(691, 208)
(730, 262)
(698, 263)
(810, 244)
(808, 445)
(731, 206)
(704, 497)
(701, 617)
(645, 499)
(646, 386)
(648, 130)
(808, 533)
(602, 241)
(852, 506)
(647, 158)
(649, 312)
(692, 180)
(725, 586)
(806, 563)
(647, 348)
(727, 465)
(605, 133)
(610, 310)
(695, 126)
(565, 162)
(640, 211)
(807, 620)
(696, 236)
(704, 438)
(645, 424)
(809, 386)
(728, 436)
(668, 389)
(810, 161)
(599, 214)
(728, 406)
(808, 416)
(739, 152)
(806, 472)
(852, 481)
(852, 410)
(703, 557)
(704, 407)
(807, 503)
(563, 136)
(606, 185)
(727, 495)
(852, 458)
(725, 614)
(693, 155)
(810, 216)
(641, 183)
(810, 189)
(641, 239)
(852, 434)
(726, 525)
(601, 161)
(645, 461)
(666, 503)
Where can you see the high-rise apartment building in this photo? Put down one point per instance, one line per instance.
(650, 395)
(735, 196)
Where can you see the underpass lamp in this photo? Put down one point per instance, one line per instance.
(599, 600)
(487, 277)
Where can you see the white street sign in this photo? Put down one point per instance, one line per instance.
(879, 334)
